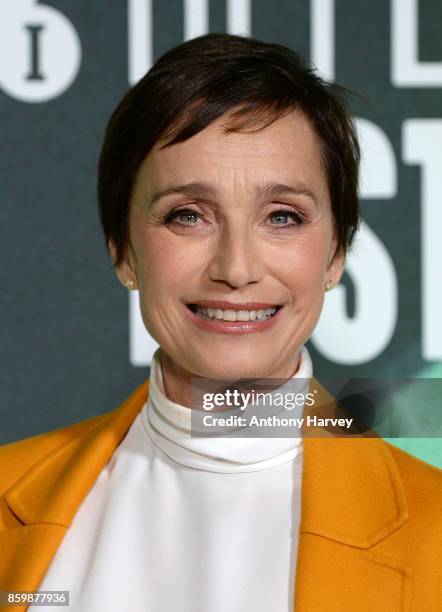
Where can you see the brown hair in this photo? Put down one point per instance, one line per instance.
(196, 82)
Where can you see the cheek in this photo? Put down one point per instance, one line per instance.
(168, 262)
(302, 264)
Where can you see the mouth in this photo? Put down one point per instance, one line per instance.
(237, 314)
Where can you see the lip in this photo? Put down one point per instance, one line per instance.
(233, 327)
(223, 305)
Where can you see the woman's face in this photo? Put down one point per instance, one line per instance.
(211, 222)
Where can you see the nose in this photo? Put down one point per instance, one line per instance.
(235, 260)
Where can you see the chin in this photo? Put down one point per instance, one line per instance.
(234, 369)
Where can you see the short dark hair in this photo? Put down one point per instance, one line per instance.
(200, 80)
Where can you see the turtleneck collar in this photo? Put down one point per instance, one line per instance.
(168, 424)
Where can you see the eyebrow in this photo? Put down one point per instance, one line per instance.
(206, 190)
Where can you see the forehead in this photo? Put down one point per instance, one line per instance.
(287, 149)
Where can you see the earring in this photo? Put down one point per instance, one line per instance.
(129, 284)
(328, 285)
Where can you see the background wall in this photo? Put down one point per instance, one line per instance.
(72, 341)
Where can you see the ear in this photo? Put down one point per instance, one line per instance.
(336, 264)
(125, 270)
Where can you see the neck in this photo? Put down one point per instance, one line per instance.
(177, 380)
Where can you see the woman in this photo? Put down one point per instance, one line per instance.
(228, 199)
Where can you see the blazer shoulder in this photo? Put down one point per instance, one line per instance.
(408, 461)
(422, 483)
(16, 458)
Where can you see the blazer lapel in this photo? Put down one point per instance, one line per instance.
(332, 576)
(26, 553)
(44, 501)
(352, 498)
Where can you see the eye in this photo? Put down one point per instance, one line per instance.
(184, 216)
(189, 217)
(283, 215)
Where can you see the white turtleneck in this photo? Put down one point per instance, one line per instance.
(186, 524)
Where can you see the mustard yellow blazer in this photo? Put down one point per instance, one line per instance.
(371, 515)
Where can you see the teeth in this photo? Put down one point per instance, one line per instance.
(235, 315)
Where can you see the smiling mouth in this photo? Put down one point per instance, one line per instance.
(220, 314)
